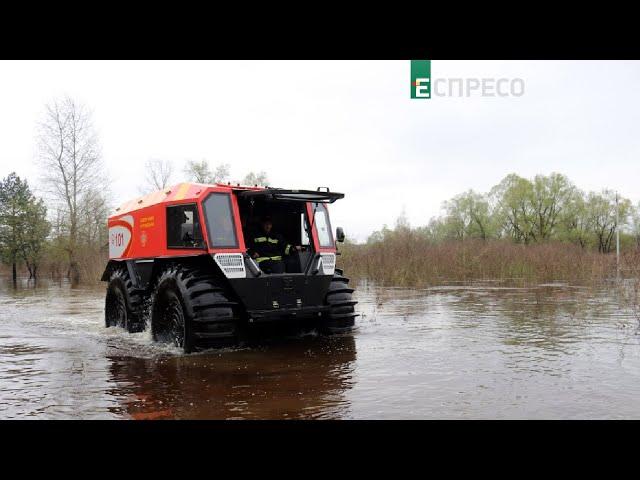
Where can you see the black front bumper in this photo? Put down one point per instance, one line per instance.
(280, 296)
(286, 313)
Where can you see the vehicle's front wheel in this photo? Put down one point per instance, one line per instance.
(190, 310)
(342, 314)
(169, 322)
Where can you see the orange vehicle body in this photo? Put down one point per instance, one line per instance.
(138, 228)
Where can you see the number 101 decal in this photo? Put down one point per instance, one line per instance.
(120, 233)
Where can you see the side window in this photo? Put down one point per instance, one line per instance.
(220, 225)
(304, 225)
(323, 226)
(183, 227)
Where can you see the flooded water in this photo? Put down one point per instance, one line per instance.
(552, 351)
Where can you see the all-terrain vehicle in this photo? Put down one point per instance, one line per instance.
(178, 264)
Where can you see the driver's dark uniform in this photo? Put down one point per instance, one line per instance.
(270, 249)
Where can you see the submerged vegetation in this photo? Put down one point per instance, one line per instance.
(523, 231)
(411, 259)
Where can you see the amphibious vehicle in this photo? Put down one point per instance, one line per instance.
(179, 264)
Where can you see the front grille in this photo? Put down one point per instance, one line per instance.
(232, 264)
(328, 261)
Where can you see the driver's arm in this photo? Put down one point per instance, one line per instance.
(251, 246)
(290, 249)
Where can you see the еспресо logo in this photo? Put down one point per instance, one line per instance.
(422, 85)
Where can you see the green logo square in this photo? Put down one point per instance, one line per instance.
(421, 79)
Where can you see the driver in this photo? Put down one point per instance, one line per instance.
(267, 248)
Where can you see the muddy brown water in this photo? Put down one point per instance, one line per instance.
(478, 351)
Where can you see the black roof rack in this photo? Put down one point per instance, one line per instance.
(294, 195)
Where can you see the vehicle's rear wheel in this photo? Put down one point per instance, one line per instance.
(342, 314)
(190, 309)
(123, 303)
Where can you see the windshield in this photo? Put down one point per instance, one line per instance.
(323, 226)
(220, 225)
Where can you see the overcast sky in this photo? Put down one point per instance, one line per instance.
(348, 125)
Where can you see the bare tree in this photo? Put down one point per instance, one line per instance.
(200, 172)
(256, 178)
(158, 175)
(72, 166)
(220, 173)
(635, 225)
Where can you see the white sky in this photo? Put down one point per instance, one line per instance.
(349, 125)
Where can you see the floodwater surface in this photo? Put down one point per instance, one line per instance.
(479, 351)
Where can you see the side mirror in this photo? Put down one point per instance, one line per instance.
(339, 234)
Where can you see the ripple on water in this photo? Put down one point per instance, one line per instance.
(458, 351)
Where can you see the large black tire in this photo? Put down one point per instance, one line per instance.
(123, 303)
(191, 309)
(342, 314)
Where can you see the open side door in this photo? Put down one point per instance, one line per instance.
(316, 196)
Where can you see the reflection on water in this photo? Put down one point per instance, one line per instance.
(474, 351)
(299, 378)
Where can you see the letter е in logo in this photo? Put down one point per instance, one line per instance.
(420, 78)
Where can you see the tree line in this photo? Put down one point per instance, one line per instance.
(527, 211)
(65, 229)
